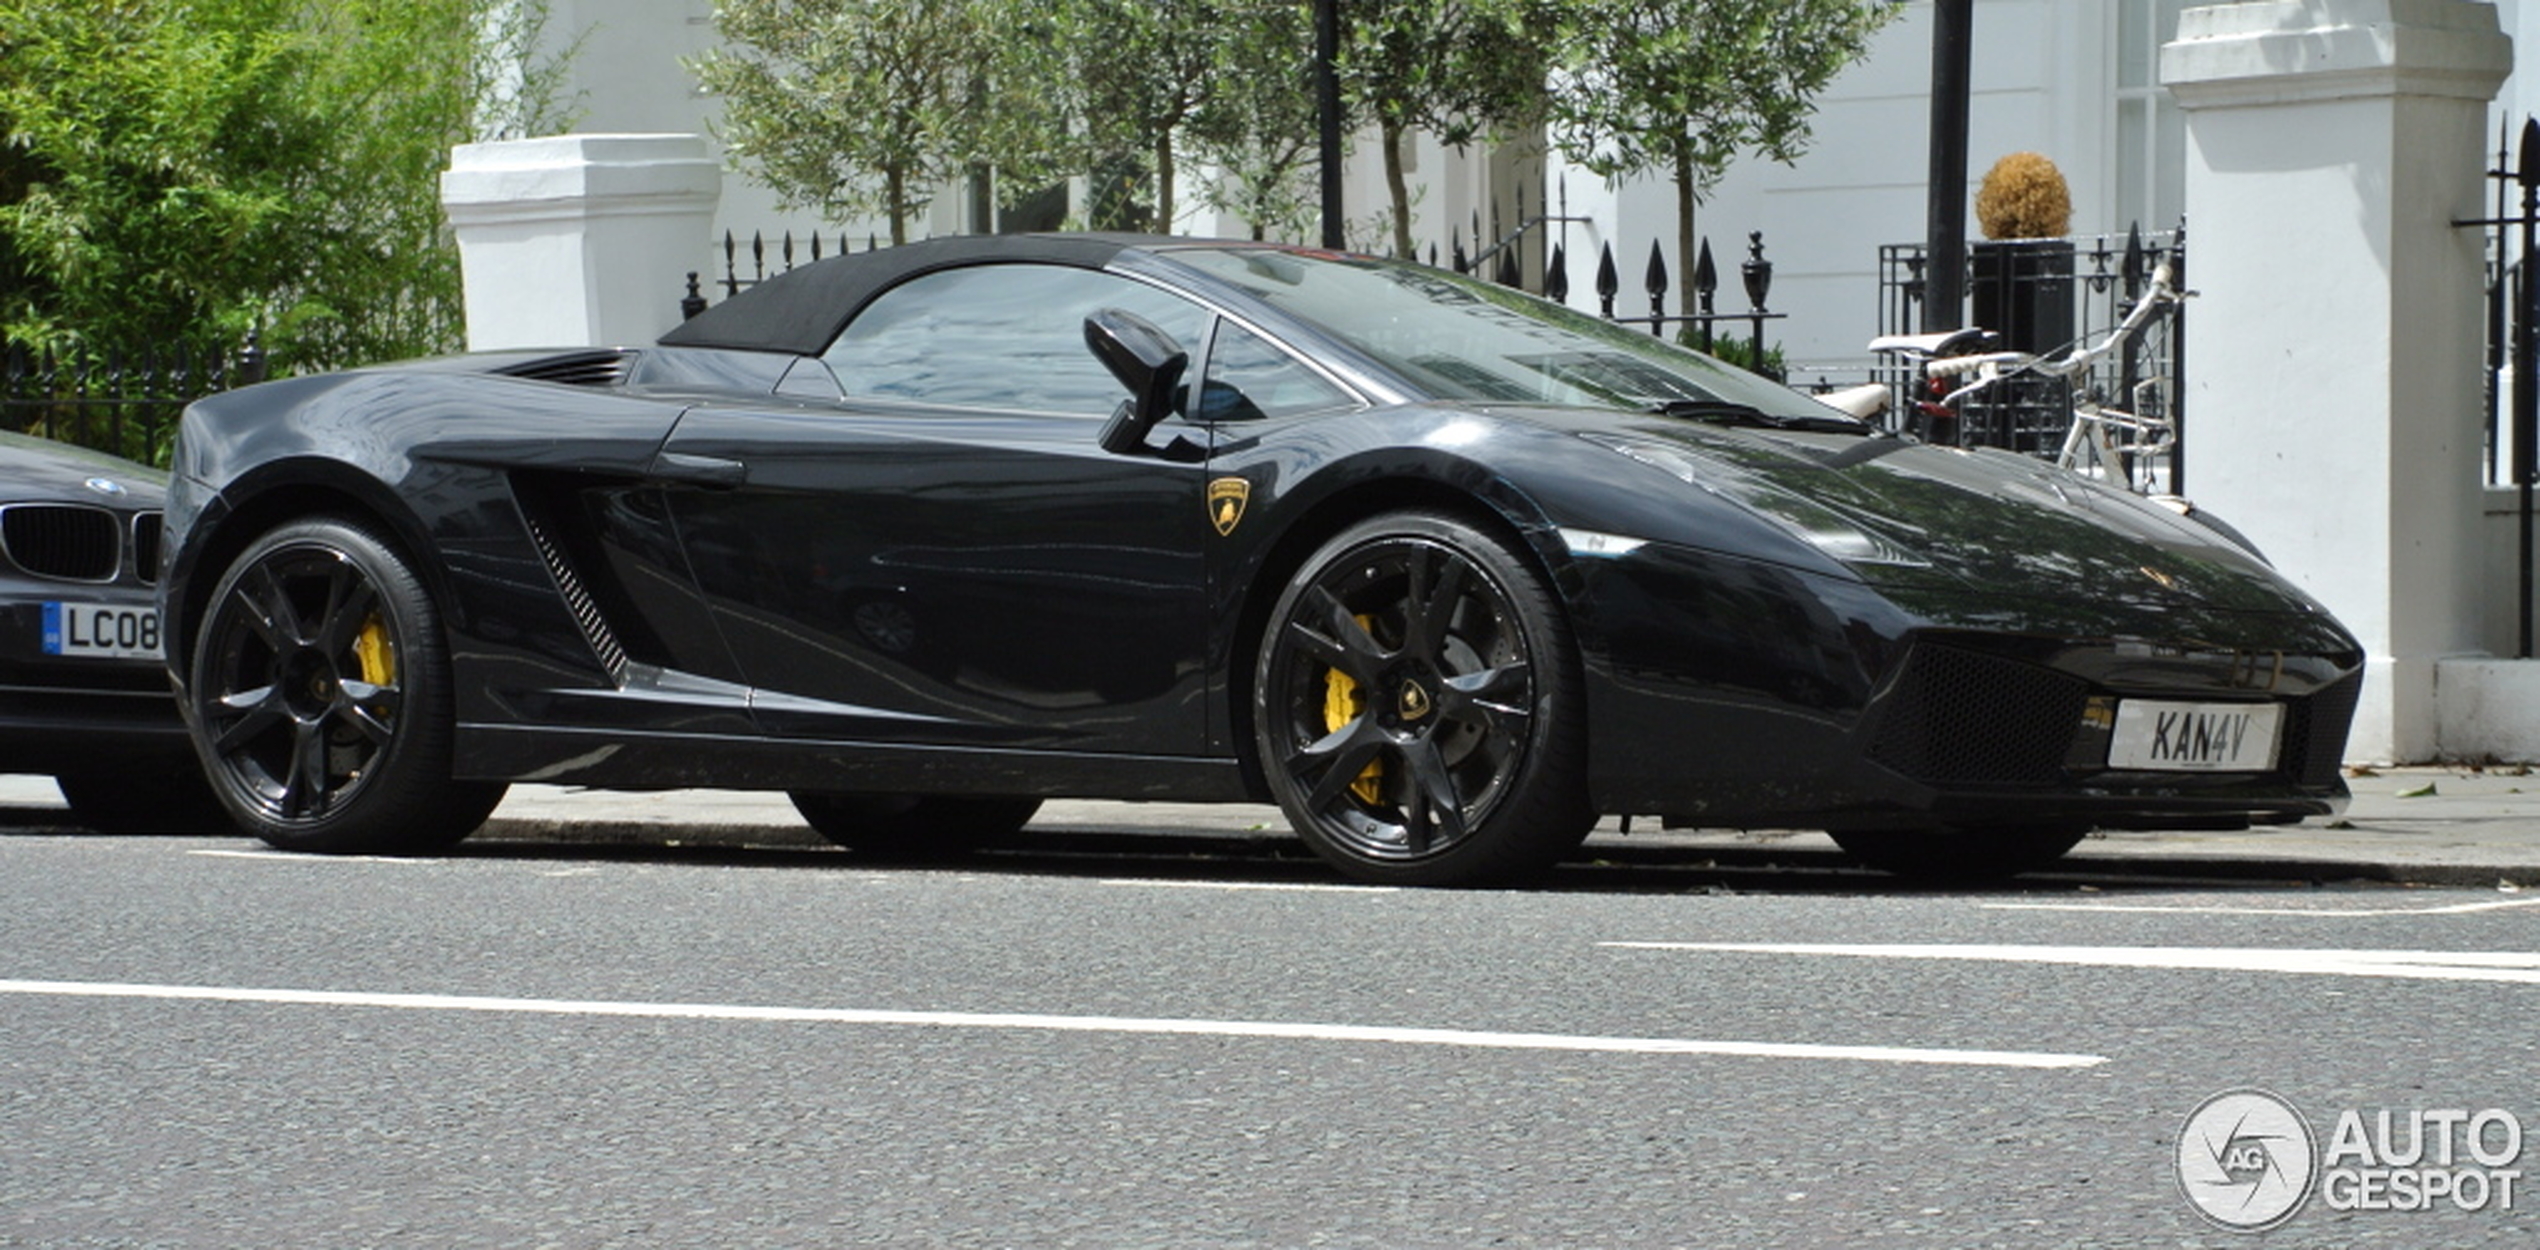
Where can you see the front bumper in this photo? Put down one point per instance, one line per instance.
(1735, 696)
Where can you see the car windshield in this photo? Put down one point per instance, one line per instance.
(1462, 339)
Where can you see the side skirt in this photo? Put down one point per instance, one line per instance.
(622, 760)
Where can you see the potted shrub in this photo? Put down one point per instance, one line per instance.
(2024, 267)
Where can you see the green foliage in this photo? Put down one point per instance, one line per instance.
(188, 167)
(851, 107)
(1142, 71)
(1670, 85)
(1731, 350)
(1682, 87)
(1460, 70)
(1259, 124)
(869, 106)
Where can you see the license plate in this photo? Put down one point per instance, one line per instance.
(2196, 737)
(104, 631)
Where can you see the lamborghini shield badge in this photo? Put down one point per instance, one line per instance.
(1226, 498)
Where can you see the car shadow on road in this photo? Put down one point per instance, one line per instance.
(1607, 864)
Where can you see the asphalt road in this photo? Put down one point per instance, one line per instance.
(1103, 1042)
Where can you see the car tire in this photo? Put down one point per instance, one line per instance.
(321, 698)
(912, 826)
(175, 800)
(1989, 854)
(1418, 707)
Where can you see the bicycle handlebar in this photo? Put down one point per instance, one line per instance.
(1990, 367)
(2159, 295)
(1954, 366)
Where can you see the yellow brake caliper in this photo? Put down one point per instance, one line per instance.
(378, 659)
(1343, 702)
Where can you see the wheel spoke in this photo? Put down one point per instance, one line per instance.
(350, 602)
(360, 707)
(1326, 632)
(1437, 586)
(1434, 813)
(1495, 698)
(254, 711)
(304, 790)
(1340, 756)
(266, 608)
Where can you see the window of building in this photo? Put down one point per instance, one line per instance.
(2151, 132)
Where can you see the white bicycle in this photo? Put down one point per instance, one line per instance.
(2124, 446)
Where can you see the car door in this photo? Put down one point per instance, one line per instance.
(921, 540)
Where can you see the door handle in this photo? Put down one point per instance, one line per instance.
(711, 472)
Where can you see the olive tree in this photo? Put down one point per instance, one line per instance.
(1259, 126)
(1682, 88)
(1461, 71)
(856, 107)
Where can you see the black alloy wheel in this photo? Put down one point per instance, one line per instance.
(321, 698)
(1991, 853)
(911, 826)
(1418, 707)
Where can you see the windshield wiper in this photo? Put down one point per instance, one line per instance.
(1726, 412)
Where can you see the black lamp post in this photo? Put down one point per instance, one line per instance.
(1945, 242)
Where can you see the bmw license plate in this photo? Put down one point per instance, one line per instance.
(104, 631)
(2196, 737)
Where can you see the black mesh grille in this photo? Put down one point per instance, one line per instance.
(62, 540)
(146, 529)
(2315, 735)
(600, 368)
(1962, 717)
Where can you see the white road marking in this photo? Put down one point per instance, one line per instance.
(2453, 909)
(1317, 887)
(2517, 967)
(1061, 1024)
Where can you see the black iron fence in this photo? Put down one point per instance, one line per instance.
(786, 252)
(1704, 325)
(2041, 296)
(115, 400)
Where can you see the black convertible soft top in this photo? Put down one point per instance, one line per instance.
(801, 310)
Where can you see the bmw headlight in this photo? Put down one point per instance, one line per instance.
(1821, 527)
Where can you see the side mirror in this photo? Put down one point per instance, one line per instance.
(1147, 361)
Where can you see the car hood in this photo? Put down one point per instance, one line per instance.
(37, 468)
(1976, 523)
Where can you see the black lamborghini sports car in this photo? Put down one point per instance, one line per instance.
(83, 689)
(927, 535)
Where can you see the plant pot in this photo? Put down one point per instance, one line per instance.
(2023, 290)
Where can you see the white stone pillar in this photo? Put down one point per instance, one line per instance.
(2333, 408)
(579, 240)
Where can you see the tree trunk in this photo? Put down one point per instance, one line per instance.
(1164, 183)
(1395, 187)
(895, 190)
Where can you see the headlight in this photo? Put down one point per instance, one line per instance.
(1821, 527)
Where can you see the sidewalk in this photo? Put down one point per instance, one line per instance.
(2439, 826)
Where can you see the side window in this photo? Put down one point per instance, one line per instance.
(1249, 379)
(1007, 337)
